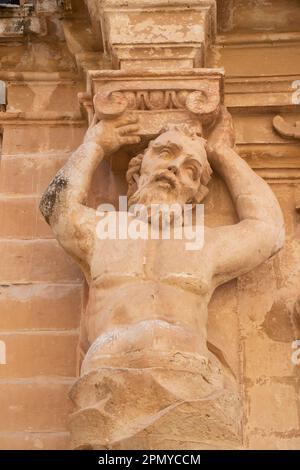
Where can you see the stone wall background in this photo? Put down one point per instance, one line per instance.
(41, 288)
(253, 320)
(258, 44)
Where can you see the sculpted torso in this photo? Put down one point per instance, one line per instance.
(143, 284)
(136, 286)
(148, 299)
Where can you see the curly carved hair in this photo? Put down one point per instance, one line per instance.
(134, 167)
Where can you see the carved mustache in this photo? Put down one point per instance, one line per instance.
(165, 177)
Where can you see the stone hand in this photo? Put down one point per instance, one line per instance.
(222, 134)
(111, 134)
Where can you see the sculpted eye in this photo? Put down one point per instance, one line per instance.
(192, 172)
(165, 154)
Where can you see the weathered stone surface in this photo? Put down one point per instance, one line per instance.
(20, 398)
(40, 307)
(26, 223)
(146, 316)
(39, 353)
(28, 175)
(266, 404)
(150, 34)
(59, 137)
(45, 57)
(34, 440)
(20, 262)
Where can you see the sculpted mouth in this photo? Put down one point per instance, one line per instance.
(162, 178)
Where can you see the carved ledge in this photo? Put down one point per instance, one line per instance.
(170, 96)
(259, 93)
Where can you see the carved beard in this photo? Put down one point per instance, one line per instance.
(157, 191)
(160, 189)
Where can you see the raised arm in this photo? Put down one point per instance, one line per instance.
(260, 233)
(63, 203)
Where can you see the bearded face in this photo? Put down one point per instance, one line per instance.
(172, 171)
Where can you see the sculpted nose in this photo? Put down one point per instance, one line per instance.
(173, 169)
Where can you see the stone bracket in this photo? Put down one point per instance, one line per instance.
(158, 97)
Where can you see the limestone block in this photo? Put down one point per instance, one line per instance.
(40, 307)
(43, 96)
(56, 137)
(266, 404)
(267, 358)
(258, 440)
(24, 261)
(34, 440)
(30, 174)
(39, 353)
(20, 399)
(26, 223)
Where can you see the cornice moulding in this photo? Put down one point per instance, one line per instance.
(151, 24)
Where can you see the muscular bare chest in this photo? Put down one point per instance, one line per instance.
(166, 261)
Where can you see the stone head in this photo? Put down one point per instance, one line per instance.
(173, 169)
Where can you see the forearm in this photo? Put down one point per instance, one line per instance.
(252, 196)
